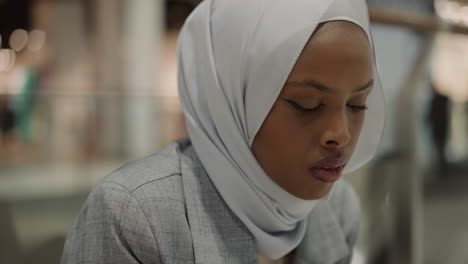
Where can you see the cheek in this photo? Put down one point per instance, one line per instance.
(291, 128)
(355, 123)
(282, 140)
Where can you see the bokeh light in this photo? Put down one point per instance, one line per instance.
(19, 39)
(37, 39)
(455, 12)
(7, 59)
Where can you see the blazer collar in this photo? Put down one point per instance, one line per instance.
(220, 237)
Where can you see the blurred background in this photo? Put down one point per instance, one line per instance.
(87, 85)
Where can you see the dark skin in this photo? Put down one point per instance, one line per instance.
(320, 110)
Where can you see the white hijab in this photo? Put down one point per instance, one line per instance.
(234, 57)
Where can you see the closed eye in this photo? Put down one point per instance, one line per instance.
(357, 108)
(303, 109)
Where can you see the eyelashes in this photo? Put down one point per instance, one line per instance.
(303, 109)
(300, 108)
(357, 108)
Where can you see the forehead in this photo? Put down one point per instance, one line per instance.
(337, 48)
(338, 39)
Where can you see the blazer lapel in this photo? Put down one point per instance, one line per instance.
(218, 235)
(324, 242)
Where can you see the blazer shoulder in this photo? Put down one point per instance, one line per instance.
(157, 168)
(133, 213)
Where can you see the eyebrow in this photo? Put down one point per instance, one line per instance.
(324, 88)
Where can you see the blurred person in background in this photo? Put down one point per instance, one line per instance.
(17, 103)
(23, 85)
(438, 118)
(275, 95)
(8, 118)
(7, 126)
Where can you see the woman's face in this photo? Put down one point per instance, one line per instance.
(314, 125)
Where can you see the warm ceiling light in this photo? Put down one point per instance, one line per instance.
(18, 39)
(452, 11)
(7, 59)
(4, 60)
(37, 39)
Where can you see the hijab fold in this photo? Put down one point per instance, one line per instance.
(233, 60)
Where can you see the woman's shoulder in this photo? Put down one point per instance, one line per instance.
(133, 209)
(154, 183)
(158, 174)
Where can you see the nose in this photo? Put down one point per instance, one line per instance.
(336, 134)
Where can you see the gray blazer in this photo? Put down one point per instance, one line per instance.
(165, 209)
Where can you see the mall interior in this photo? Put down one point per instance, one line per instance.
(89, 85)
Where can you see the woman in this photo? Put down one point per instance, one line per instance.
(274, 94)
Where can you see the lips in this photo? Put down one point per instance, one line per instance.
(328, 170)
